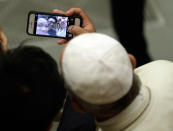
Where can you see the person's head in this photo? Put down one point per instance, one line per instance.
(51, 22)
(98, 74)
(62, 22)
(42, 26)
(32, 91)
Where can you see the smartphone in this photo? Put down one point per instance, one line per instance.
(51, 24)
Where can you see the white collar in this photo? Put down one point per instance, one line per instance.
(130, 114)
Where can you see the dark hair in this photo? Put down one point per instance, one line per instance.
(53, 17)
(32, 91)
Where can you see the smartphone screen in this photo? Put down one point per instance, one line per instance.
(49, 25)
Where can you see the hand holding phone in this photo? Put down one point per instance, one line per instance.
(87, 24)
(51, 24)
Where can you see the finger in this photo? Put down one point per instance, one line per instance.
(87, 23)
(4, 42)
(76, 30)
(79, 12)
(58, 11)
(4, 39)
(62, 41)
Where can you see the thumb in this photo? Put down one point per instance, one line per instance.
(76, 30)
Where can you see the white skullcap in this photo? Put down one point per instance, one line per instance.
(97, 68)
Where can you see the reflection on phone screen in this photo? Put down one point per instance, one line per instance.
(51, 25)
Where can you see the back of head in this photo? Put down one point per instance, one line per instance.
(32, 91)
(52, 17)
(97, 69)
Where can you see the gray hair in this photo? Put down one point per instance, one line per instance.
(110, 108)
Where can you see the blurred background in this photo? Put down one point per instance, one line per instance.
(158, 25)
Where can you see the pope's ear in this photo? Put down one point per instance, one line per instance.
(76, 106)
(132, 60)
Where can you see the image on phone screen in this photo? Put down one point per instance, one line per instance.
(49, 25)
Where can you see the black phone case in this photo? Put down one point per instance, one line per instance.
(53, 14)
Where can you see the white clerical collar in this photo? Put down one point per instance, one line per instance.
(130, 114)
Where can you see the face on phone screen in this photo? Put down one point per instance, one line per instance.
(49, 25)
